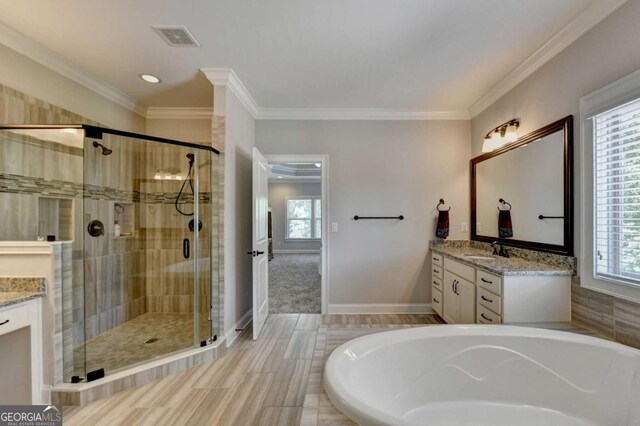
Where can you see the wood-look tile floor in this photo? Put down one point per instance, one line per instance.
(265, 382)
(276, 380)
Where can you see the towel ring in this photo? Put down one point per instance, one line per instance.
(441, 203)
(503, 202)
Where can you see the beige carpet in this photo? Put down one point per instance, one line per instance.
(294, 284)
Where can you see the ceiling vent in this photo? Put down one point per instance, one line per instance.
(176, 36)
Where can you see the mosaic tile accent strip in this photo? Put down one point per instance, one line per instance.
(19, 184)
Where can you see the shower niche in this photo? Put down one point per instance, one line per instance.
(124, 215)
(55, 219)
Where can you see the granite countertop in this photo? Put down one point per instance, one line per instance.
(501, 265)
(17, 290)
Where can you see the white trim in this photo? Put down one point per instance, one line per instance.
(38, 53)
(179, 113)
(227, 77)
(297, 251)
(588, 19)
(381, 308)
(358, 114)
(616, 93)
(231, 334)
(323, 159)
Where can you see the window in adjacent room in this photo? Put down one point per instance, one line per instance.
(304, 218)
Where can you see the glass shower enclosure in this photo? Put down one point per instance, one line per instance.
(137, 217)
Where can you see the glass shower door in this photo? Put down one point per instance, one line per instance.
(146, 248)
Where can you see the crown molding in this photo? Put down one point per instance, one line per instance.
(227, 77)
(358, 114)
(44, 56)
(588, 19)
(179, 113)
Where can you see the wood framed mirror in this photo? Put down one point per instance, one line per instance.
(534, 175)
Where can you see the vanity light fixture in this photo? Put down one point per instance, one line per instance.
(150, 78)
(501, 135)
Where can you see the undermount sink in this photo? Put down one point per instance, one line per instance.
(479, 257)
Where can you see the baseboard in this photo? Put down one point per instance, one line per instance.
(296, 252)
(381, 308)
(231, 334)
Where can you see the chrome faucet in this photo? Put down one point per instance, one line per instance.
(499, 250)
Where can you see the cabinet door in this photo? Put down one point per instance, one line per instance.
(451, 306)
(467, 299)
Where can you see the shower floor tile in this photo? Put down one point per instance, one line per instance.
(124, 346)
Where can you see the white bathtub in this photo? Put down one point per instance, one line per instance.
(490, 375)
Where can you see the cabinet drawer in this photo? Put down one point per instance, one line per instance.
(436, 283)
(14, 318)
(436, 259)
(489, 300)
(460, 269)
(436, 301)
(491, 282)
(436, 272)
(486, 316)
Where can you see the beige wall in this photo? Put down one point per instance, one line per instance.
(278, 192)
(239, 140)
(382, 168)
(38, 81)
(190, 130)
(603, 55)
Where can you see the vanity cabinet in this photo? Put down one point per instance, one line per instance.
(465, 294)
(459, 299)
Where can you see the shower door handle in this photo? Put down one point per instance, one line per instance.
(186, 248)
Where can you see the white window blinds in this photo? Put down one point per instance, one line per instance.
(616, 135)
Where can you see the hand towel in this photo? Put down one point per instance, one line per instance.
(442, 230)
(505, 228)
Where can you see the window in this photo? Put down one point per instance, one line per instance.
(304, 218)
(616, 153)
(610, 189)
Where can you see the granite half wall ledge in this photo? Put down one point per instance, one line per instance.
(555, 261)
(20, 289)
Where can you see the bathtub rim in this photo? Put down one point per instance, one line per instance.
(362, 413)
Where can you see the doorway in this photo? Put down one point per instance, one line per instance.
(297, 234)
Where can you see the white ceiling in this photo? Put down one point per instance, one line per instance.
(427, 55)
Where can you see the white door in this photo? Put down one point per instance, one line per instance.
(260, 243)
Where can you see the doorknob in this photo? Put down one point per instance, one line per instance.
(252, 253)
(258, 253)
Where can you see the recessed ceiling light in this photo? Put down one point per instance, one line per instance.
(150, 78)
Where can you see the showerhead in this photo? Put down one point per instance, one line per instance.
(105, 150)
(191, 158)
